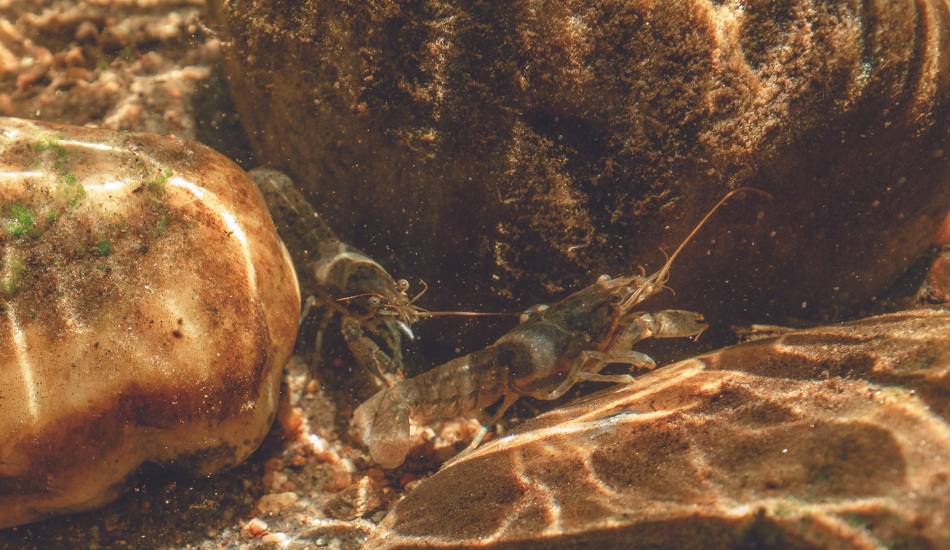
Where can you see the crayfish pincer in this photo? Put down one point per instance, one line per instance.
(550, 351)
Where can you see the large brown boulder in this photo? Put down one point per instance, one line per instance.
(510, 153)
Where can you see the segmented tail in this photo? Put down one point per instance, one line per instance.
(383, 423)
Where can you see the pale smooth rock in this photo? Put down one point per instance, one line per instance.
(147, 307)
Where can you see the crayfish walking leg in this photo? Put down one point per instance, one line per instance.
(670, 323)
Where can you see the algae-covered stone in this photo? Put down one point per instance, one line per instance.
(146, 313)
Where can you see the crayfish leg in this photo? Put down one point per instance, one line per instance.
(624, 356)
(393, 338)
(308, 303)
(365, 351)
(318, 341)
(676, 323)
(510, 399)
(584, 370)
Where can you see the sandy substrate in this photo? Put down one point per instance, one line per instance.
(148, 66)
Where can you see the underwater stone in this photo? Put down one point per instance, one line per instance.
(535, 145)
(147, 308)
(702, 454)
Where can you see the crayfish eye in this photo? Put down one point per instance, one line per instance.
(603, 280)
(402, 285)
(374, 301)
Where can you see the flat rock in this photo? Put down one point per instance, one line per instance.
(739, 448)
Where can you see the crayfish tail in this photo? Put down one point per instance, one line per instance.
(383, 425)
(389, 440)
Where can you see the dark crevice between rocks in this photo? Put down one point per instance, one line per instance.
(217, 123)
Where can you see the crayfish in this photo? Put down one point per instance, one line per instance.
(551, 350)
(340, 278)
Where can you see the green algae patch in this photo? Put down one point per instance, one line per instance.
(104, 248)
(856, 520)
(12, 268)
(21, 220)
(8, 287)
(162, 224)
(157, 187)
(80, 195)
(51, 143)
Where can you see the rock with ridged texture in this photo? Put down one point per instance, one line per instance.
(907, 349)
(692, 457)
(528, 144)
(147, 308)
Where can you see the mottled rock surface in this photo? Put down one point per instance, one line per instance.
(147, 309)
(907, 349)
(503, 153)
(756, 454)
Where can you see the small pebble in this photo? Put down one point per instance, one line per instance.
(291, 421)
(255, 527)
(273, 480)
(288, 486)
(338, 479)
(274, 537)
(274, 465)
(276, 503)
(328, 457)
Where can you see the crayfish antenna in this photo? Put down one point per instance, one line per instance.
(425, 287)
(355, 296)
(463, 313)
(655, 282)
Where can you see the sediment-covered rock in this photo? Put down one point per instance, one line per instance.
(503, 153)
